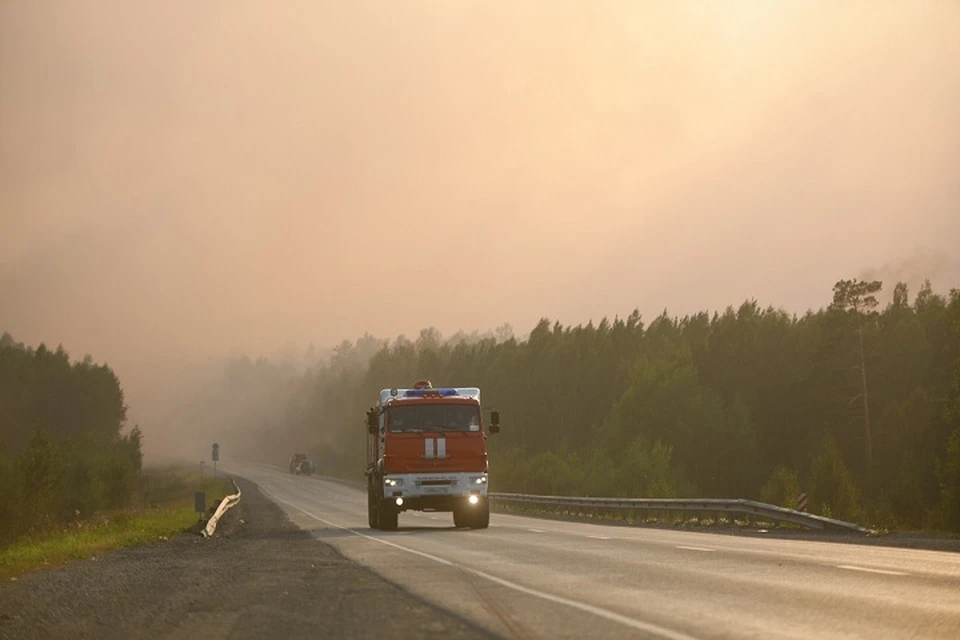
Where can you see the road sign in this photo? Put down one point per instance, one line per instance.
(802, 502)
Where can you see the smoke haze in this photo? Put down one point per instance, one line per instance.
(183, 180)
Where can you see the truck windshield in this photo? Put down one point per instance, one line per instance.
(433, 417)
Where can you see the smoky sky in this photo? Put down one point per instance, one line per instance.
(185, 179)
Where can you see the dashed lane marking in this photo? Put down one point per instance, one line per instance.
(680, 546)
(886, 572)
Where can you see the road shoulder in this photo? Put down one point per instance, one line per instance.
(260, 576)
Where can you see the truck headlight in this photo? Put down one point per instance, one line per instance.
(480, 480)
(393, 482)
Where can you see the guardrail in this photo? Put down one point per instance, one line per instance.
(749, 508)
(225, 505)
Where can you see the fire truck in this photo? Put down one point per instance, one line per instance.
(427, 451)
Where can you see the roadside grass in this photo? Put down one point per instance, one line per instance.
(165, 509)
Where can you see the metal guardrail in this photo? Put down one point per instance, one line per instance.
(225, 505)
(750, 508)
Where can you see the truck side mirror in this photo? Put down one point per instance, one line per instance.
(494, 421)
(372, 421)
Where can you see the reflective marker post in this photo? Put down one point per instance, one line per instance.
(200, 504)
(215, 455)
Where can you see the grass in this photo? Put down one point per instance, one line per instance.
(166, 510)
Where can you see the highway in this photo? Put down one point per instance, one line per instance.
(535, 578)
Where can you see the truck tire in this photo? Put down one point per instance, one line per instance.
(461, 518)
(480, 518)
(387, 517)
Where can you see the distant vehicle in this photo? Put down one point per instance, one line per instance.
(305, 468)
(427, 451)
(295, 462)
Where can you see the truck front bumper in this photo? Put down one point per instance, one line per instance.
(434, 491)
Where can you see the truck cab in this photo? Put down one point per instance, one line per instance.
(295, 461)
(426, 451)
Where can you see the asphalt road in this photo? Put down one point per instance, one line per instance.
(534, 578)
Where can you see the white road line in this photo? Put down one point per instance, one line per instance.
(680, 546)
(536, 530)
(646, 627)
(600, 537)
(886, 572)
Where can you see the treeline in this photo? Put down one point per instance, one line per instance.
(752, 402)
(62, 451)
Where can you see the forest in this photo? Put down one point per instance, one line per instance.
(63, 451)
(856, 404)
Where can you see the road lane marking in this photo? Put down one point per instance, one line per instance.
(886, 572)
(606, 614)
(681, 546)
(536, 530)
(600, 537)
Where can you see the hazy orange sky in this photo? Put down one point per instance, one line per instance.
(182, 179)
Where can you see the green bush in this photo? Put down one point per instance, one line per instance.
(948, 472)
(9, 501)
(783, 488)
(833, 493)
(39, 471)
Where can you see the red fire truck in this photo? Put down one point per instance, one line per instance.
(427, 451)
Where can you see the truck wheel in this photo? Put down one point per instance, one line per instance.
(387, 517)
(461, 518)
(481, 516)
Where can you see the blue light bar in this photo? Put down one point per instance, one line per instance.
(420, 393)
(386, 395)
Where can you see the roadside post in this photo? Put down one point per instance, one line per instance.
(215, 455)
(200, 504)
(802, 502)
(202, 464)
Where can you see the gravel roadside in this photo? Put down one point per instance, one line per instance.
(258, 577)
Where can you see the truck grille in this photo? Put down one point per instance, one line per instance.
(436, 483)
